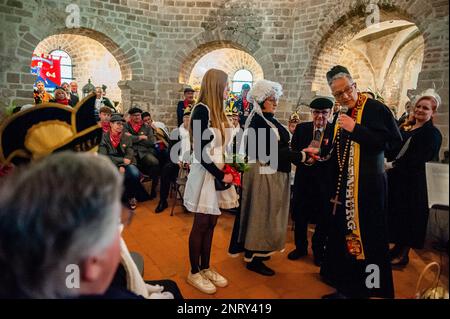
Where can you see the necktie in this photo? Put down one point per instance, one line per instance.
(317, 135)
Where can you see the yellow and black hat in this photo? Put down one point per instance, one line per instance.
(231, 110)
(47, 128)
(187, 111)
(294, 118)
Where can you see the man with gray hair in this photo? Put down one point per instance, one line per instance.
(356, 261)
(60, 238)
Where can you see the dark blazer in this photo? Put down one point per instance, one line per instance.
(180, 112)
(109, 104)
(312, 184)
(408, 196)
(142, 147)
(285, 155)
(240, 106)
(123, 150)
(73, 99)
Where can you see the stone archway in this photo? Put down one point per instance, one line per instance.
(432, 25)
(127, 57)
(378, 57)
(90, 61)
(211, 40)
(229, 60)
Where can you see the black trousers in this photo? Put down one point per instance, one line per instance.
(169, 174)
(311, 205)
(318, 239)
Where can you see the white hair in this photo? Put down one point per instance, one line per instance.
(340, 75)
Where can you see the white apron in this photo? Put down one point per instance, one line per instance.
(200, 195)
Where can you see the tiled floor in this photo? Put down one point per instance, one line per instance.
(163, 242)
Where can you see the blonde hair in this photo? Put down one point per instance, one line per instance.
(211, 94)
(59, 90)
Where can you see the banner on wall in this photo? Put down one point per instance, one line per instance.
(48, 69)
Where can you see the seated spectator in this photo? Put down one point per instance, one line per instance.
(118, 147)
(85, 232)
(144, 146)
(171, 169)
(105, 117)
(41, 95)
(60, 97)
(102, 100)
(147, 119)
(188, 101)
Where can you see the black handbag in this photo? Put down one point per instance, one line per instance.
(220, 185)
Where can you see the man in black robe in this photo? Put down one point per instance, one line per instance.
(356, 261)
(312, 181)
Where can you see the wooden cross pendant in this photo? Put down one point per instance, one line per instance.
(335, 202)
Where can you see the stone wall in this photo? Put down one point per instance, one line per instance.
(157, 42)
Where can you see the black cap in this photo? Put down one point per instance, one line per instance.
(134, 110)
(117, 118)
(188, 89)
(321, 103)
(335, 70)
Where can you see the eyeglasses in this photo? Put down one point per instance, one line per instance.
(348, 90)
(324, 113)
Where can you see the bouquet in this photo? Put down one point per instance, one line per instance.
(236, 165)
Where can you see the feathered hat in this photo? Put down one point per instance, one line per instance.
(294, 118)
(50, 127)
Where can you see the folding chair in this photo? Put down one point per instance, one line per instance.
(178, 187)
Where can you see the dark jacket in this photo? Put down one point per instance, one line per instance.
(123, 150)
(73, 99)
(285, 155)
(142, 147)
(109, 104)
(408, 196)
(180, 112)
(239, 104)
(312, 184)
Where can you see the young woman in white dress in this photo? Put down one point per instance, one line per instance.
(211, 132)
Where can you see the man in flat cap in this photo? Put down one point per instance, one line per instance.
(357, 242)
(312, 181)
(187, 102)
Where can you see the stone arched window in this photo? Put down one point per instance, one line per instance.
(66, 65)
(240, 78)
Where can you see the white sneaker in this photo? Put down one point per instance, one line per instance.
(201, 283)
(216, 278)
